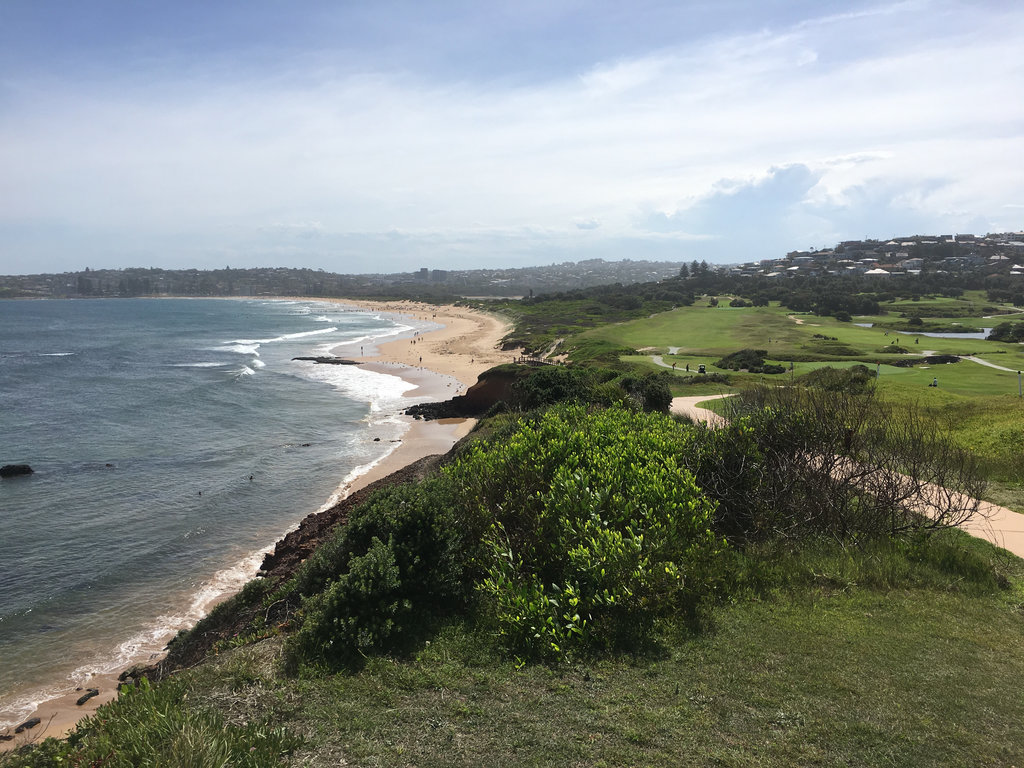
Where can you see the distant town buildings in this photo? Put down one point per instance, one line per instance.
(988, 256)
(901, 256)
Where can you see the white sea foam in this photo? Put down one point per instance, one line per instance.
(146, 644)
(381, 391)
(285, 337)
(56, 354)
(245, 370)
(241, 347)
(257, 363)
(342, 491)
(198, 365)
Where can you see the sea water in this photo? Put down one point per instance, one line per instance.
(173, 442)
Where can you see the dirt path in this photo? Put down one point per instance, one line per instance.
(687, 406)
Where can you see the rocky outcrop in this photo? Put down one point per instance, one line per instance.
(15, 470)
(493, 386)
(328, 360)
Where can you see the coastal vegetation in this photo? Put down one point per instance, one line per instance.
(616, 585)
(587, 580)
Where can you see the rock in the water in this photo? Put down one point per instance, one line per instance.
(13, 470)
(31, 723)
(89, 693)
(328, 360)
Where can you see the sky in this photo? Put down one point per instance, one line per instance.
(386, 136)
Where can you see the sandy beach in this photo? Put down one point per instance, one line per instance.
(465, 346)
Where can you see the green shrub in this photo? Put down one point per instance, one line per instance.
(360, 612)
(551, 384)
(649, 392)
(751, 360)
(378, 581)
(597, 531)
(853, 380)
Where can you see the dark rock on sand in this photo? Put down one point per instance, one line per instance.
(30, 723)
(328, 360)
(89, 693)
(14, 470)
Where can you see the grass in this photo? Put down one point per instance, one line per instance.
(978, 404)
(854, 658)
(702, 335)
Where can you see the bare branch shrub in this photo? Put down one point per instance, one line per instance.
(794, 461)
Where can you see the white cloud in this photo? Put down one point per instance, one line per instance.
(915, 100)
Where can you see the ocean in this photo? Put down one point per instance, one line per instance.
(173, 442)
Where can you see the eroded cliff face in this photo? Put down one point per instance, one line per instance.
(492, 387)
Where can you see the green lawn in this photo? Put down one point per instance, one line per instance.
(703, 334)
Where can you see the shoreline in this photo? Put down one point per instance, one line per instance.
(464, 347)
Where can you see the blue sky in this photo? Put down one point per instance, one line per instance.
(385, 136)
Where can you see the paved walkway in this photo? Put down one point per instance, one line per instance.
(997, 525)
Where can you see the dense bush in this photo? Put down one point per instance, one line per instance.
(399, 561)
(1011, 332)
(853, 380)
(704, 378)
(597, 531)
(649, 392)
(550, 385)
(575, 530)
(750, 360)
(795, 461)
